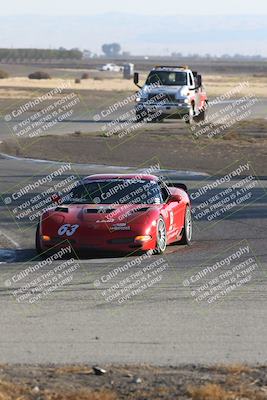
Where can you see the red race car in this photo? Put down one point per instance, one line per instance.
(118, 213)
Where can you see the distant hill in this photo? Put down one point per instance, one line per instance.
(139, 33)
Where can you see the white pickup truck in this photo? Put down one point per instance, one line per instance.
(173, 93)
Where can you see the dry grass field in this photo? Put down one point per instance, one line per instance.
(215, 85)
(78, 382)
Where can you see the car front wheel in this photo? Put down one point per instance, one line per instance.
(37, 240)
(187, 231)
(161, 236)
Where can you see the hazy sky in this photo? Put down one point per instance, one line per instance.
(154, 7)
(226, 26)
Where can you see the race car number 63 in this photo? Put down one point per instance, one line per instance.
(67, 229)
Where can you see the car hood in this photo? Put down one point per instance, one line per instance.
(78, 213)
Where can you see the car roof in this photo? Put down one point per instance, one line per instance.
(121, 176)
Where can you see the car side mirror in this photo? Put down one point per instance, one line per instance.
(174, 198)
(199, 81)
(136, 80)
(56, 198)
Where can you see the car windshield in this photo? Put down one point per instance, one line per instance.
(127, 191)
(167, 78)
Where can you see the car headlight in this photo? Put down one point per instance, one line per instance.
(183, 101)
(140, 99)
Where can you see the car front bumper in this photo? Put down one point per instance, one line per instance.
(122, 244)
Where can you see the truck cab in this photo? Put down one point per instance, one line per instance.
(173, 93)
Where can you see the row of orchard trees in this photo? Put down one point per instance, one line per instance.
(40, 54)
(109, 50)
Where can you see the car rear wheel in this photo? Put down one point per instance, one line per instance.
(161, 236)
(187, 231)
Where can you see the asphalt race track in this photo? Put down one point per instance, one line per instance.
(83, 120)
(163, 324)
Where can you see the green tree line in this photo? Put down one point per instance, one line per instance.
(44, 54)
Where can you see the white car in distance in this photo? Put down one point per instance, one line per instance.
(111, 67)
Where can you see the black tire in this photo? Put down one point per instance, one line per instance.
(189, 118)
(161, 236)
(141, 114)
(202, 116)
(139, 117)
(37, 240)
(159, 119)
(187, 230)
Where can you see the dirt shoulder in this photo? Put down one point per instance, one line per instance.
(144, 382)
(170, 144)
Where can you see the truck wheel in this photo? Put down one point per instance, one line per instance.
(202, 115)
(189, 118)
(151, 120)
(139, 118)
(160, 118)
(141, 115)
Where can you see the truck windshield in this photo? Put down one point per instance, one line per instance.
(167, 78)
